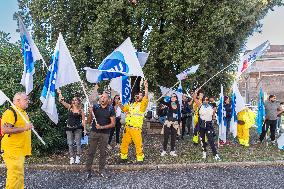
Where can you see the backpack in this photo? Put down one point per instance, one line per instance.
(16, 118)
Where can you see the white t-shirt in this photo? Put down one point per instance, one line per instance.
(118, 111)
(206, 112)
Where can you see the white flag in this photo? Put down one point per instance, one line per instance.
(3, 98)
(61, 72)
(96, 76)
(123, 59)
(248, 59)
(31, 54)
(185, 73)
(221, 117)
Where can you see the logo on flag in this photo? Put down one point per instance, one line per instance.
(31, 54)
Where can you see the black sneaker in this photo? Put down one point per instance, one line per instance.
(123, 161)
(89, 175)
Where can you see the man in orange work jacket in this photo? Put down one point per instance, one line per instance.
(133, 125)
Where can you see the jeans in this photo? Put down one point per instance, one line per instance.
(97, 140)
(71, 136)
(272, 125)
(186, 122)
(208, 130)
(169, 131)
(228, 121)
(117, 131)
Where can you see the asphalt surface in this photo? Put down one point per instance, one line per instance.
(217, 177)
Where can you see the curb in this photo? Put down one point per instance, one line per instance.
(133, 167)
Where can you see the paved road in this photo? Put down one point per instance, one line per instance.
(232, 177)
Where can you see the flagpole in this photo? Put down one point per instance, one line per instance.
(87, 98)
(39, 137)
(134, 83)
(167, 91)
(214, 76)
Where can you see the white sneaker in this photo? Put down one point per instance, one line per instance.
(217, 157)
(109, 147)
(203, 155)
(72, 161)
(163, 153)
(173, 153)
(77, 161)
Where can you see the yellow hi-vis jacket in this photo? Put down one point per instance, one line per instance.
(135, 113)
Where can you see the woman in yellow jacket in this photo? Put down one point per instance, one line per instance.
(246, 118)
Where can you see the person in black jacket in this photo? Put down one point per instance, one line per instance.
(186, 115)
(172, 124)
(228, 110)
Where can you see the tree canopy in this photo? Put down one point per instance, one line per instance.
(177, 34)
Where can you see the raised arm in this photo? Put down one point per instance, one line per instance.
(61, 100)
(146, 88)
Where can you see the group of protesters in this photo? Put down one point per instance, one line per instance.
(196, 115)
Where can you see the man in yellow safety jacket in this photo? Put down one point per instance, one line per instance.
(133, 125)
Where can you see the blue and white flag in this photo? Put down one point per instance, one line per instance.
(221, 117)
(238, 104)
(142, 58)
(280, 142)
(62, 71)
(248, 59)
(191, 70)
(123, 87)
(234, 118)
(168, 92)
(31, 55)
(260, 112)
(179, 89)
(123, 59)
(96, 76)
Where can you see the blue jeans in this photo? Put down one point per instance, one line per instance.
(162, 119)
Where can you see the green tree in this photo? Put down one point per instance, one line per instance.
(177, 33)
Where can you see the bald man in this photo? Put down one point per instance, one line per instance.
(16, 143)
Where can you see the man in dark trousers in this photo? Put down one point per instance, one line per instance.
(186, 115)
(272, 110)
(101, 125)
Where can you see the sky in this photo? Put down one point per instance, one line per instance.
(272, 30)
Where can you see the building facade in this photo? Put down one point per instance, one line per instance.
(267, 73)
